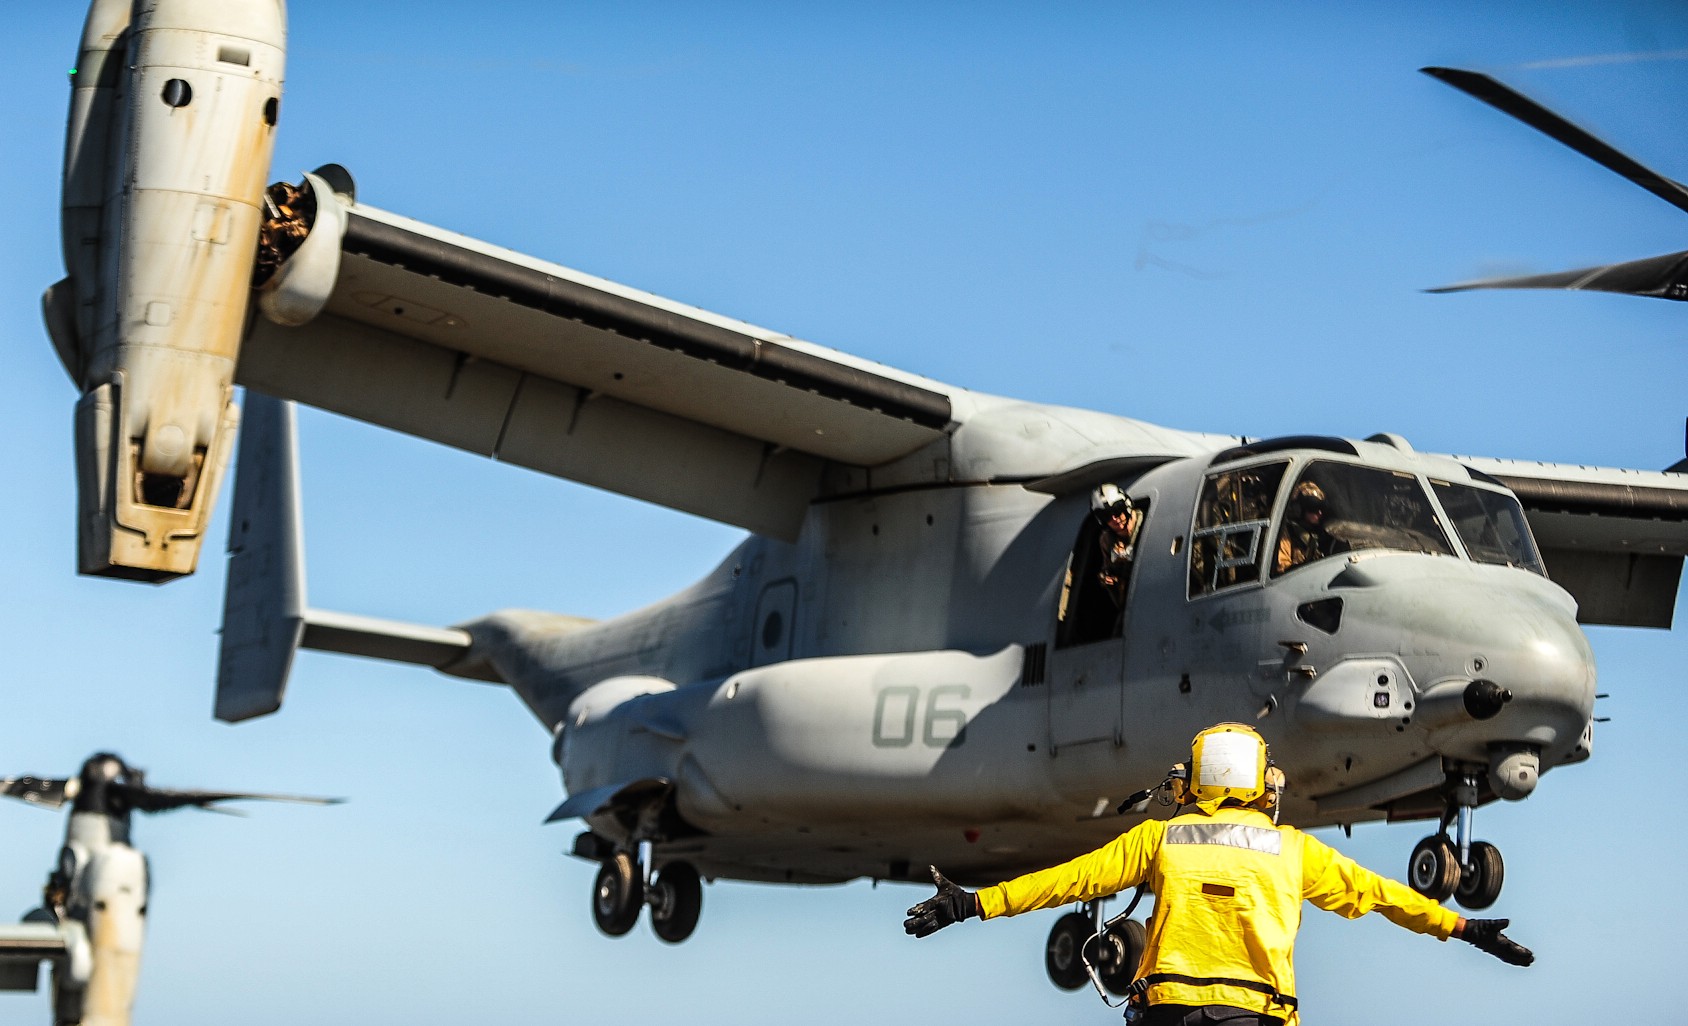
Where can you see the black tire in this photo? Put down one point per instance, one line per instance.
(1062, 954)
(1479, 885)
(1116, 958)
(1433, 869)
(617, 895)
(679, 900)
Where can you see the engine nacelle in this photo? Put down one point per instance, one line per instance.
(172, 123)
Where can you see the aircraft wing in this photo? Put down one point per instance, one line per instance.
(23, 947)
(438, 335)
(1614, 539)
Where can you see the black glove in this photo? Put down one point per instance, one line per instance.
(951, 904)
(1485, 935)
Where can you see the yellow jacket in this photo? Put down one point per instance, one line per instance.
(1228, 889)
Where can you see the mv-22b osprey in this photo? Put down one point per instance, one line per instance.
(913, 658)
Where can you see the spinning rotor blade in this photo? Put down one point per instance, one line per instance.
(1505, 99)
(1661, 277)
(160, 799)
(48, 793)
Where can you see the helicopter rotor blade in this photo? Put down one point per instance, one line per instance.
(1510, 101)
(160, 799)
(1660, 277)
(49, 794)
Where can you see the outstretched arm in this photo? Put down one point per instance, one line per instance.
(1121, 863)
(1336, 883)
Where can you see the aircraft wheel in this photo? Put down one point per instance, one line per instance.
(1433, 869)
(617, 895)
(1117, 957)
(1479, 884)
(677, 900)
(1061, 956)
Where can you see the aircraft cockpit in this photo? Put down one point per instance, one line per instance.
(1269, 518)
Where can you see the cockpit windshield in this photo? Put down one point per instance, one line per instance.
(1340, 507)
(1491, 524)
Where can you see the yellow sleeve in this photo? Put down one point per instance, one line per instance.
(1336, 883)
(1121, 863)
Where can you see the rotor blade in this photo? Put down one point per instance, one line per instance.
(160, 799)
(1507, 100)
(1661, 277)
(47, 793)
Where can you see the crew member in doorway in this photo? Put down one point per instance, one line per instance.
(1304, 538)
(1118, 538)
(1229, 883)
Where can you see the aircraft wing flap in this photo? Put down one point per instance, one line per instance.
(30, 941)
(494, 410)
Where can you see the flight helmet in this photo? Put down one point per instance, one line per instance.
(1308, 496)
(1228, 761)
(1107, 500)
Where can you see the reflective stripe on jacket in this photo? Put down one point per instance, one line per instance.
(1228, 888)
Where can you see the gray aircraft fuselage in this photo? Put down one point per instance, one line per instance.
(897, 687)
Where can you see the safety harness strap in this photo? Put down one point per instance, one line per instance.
(1220, 981)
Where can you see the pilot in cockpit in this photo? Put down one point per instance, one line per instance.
(1305, 537)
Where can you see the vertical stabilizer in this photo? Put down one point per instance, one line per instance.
(264, 604)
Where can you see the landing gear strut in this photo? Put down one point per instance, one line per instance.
(676, 898)
(625, 886)
(1470, 872)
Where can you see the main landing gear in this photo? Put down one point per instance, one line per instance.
(1470, 872)
(1115, 952)
(625, 886)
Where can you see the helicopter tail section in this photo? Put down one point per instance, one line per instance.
(265, 616)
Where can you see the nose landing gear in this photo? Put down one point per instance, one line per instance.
(1470, 872)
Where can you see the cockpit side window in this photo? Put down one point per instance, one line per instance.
(1491, 524)
(1232, 517)
(1341, 507)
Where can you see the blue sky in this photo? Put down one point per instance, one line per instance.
(1217, 217)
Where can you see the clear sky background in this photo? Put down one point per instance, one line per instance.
(1210, 216)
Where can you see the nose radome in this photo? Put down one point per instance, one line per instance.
(1531, 672)
(1502, 673)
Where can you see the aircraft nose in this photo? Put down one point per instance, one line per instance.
(1512, 687)
(1502, 678)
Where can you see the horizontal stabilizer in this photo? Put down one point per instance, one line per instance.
(375, 638)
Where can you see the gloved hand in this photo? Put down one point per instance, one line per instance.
(1485, 935)
(951, 904)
